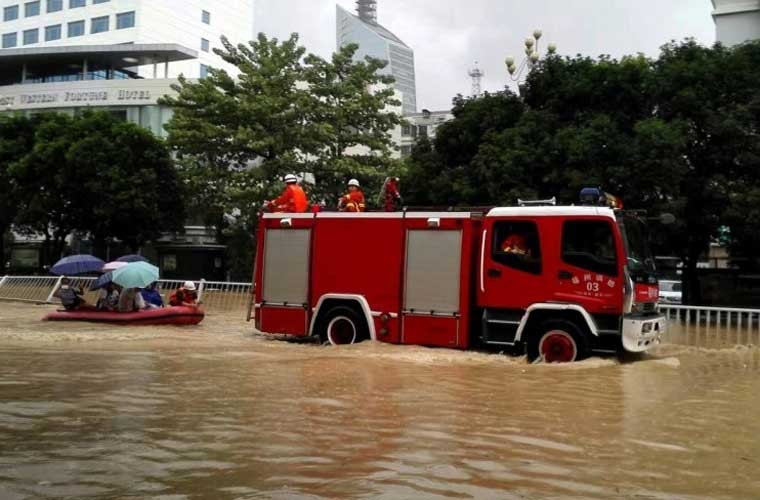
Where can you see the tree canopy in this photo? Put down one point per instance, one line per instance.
(94, 174)
(674, 134)
(327, 120)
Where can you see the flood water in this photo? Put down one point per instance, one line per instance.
(215, 411)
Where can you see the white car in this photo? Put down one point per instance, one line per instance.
(670, 292)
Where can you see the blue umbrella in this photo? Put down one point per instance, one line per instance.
(131, 258)
(135, 275)
(77, 264)
(102, 281)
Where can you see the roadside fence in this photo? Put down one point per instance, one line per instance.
(217, 296)
(703, 325)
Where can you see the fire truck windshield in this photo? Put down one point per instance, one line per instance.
(634, 234)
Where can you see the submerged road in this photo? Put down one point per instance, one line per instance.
(214, 411)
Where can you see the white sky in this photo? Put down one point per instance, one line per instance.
(449, 35)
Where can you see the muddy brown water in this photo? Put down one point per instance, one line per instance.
(215, 411)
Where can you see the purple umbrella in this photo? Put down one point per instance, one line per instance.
(132, 258)
(77, 264)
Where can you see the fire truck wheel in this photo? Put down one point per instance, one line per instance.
(342, 325)
(557, 342)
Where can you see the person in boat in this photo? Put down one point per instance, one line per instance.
(186, 295)
(69, 295)
(108, 298)
(152, 296)
(130, 300)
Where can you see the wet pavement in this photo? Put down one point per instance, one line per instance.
(214, 411)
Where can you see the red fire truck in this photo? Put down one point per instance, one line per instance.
(559, 282)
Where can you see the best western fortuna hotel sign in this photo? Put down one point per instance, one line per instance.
(19, 97)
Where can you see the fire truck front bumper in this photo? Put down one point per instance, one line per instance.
(642, 332)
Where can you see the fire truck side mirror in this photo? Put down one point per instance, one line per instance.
(667, 219)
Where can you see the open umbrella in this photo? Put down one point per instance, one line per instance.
(112, 266)
(135, 275)
(102, 281)
(132, 258)
(77, 264)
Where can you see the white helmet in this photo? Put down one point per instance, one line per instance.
(189, 285)
(291, 179)
(354, 182)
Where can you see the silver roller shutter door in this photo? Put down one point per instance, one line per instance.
(286, 266)
(433, 265)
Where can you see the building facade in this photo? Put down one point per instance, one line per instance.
(119, 56)
(195, 24)
(736, 21)
(376, 41)
(424, 124)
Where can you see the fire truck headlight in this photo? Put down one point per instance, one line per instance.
(646, 328)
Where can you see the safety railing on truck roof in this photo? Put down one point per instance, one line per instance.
(217, 296)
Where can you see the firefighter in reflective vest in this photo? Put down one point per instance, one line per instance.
(292, 199)
(353, 201)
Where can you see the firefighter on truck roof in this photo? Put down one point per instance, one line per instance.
(353, 201)
(292, 200)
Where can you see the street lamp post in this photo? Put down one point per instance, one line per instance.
(532, 56)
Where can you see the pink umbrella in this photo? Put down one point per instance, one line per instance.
(113, 266)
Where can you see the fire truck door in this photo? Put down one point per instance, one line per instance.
(285, 281)
(432, 299)
(513, 270)
(589, 271)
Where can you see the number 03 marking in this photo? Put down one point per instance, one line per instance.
(592, 287)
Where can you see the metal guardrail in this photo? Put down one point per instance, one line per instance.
(217, 296)
(712, 316)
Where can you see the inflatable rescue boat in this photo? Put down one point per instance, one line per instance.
(165, 316)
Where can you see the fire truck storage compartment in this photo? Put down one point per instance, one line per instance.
(285, 281)
(432, 288)
(358, 257)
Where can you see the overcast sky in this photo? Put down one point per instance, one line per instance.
(449, 35)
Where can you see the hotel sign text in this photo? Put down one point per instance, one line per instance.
(76, 97)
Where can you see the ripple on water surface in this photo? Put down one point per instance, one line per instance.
(216, 412)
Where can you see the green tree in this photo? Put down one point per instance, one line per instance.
(352, 115)
(97, 175)
(16, 139)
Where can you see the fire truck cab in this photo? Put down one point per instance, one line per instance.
(558, 283)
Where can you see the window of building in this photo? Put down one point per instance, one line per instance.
(32, 9)
(406, 151)
(99, 1)
(99, 24)
(406, 130)
(31, 36)
(204, 71)
(422, 131)
(206, 17)
(516, 245)
(10, 40)
(54, 5)
(204, 45)
(76, 28)
(53, 33)
(10, 13)
(125, 20)
(590, 245)
(73, 4)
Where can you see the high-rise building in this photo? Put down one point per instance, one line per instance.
(379, 42)
(736, 21)
(194, 24)
(119, 56)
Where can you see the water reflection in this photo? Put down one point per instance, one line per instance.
(216, 412)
